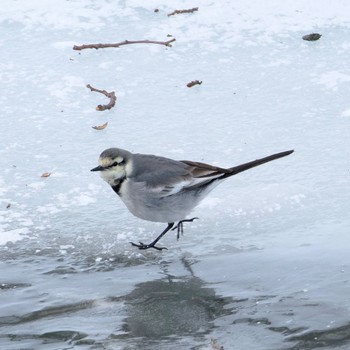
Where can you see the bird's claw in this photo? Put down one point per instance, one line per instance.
(180, 226)
(144, 246)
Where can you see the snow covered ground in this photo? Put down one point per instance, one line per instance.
(267, 264)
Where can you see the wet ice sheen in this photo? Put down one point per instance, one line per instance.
(266, 266)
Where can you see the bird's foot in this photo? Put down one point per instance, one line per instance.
(144, 246)
(180, 226)
(153, 244)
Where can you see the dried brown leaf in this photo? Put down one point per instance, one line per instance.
(100, 127)
(46, 174)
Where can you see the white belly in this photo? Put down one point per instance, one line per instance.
(150, 206)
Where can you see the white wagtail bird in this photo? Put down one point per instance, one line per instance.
(161, 189)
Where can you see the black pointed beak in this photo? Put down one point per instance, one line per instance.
(98, 168)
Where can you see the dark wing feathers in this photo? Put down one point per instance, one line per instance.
(199, 170)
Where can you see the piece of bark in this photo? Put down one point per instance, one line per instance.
(312, 37)
(193, 83)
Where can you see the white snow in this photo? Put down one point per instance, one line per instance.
(264, 90)
(331, 80)
(12, 235)
(346, 113)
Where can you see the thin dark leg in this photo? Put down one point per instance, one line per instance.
(153, 244)
(180, 226)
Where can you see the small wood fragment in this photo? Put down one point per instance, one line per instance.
(193, 83)
(100, 127)
(176, 12)
(312, 37)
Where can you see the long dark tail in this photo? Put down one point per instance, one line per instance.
(243, 167)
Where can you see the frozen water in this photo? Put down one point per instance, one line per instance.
(267, 264)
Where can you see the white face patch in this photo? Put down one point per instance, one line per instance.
(113, 173)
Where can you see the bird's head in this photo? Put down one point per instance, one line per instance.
(114, 165)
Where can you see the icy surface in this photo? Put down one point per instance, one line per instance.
(267, 264)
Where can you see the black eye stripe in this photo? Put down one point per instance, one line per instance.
(115, 164)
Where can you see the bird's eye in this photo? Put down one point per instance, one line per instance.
(115, 164)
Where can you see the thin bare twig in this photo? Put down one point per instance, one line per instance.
(126, 42)
(176, 12)
(110, 95)
(193, 83)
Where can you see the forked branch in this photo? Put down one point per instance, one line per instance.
(126, 42)
(111, 95)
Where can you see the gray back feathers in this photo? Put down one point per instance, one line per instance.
(157, 171)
